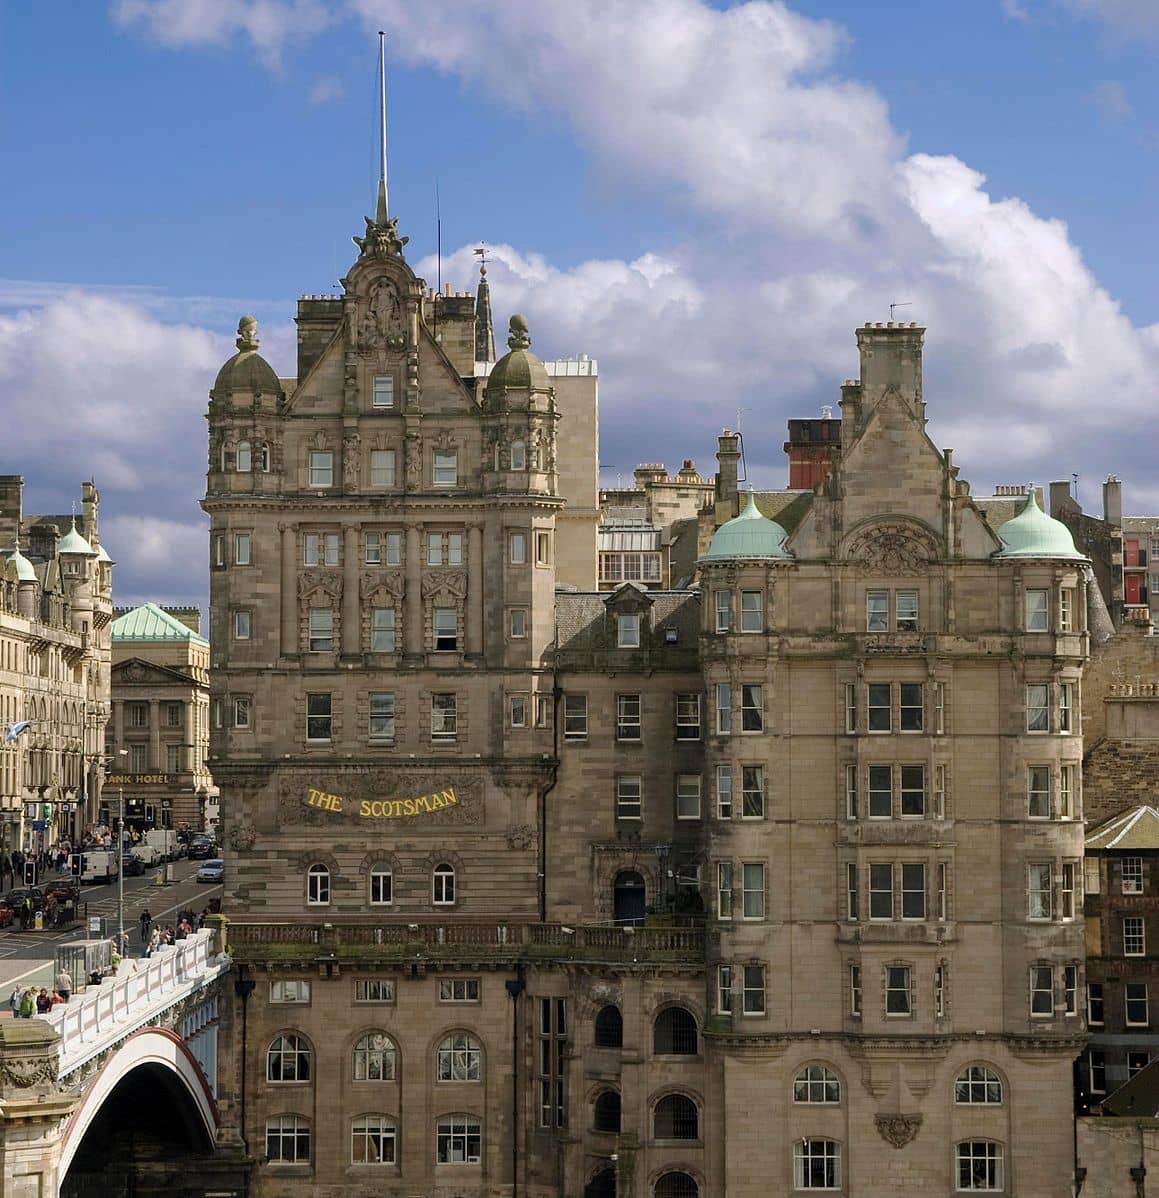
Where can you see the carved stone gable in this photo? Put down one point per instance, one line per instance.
(327, 581)
(448, 582)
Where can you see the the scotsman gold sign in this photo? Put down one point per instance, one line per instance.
(382, 808)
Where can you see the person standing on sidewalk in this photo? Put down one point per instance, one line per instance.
(146, 924)
(64, 984)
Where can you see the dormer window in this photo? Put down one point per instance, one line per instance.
(628, 630)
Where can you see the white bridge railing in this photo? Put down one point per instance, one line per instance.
(94, 1021)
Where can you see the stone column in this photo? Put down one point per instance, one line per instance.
(351, 631)
(155, 764)
(475, 585)
(190, 754)
(413, 620)
(289, 612)
(33, 1114)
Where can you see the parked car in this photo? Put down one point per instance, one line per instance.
(212, 871)
(64, 890)
(133, 866)
(15, 897)
(201, 847)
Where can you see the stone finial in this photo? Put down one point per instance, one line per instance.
(247, 333)
(517, 333)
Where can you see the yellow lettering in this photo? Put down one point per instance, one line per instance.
(396, 808)
(376, 809)
(450, 797)
(364, 809)
(408, 806)
(336, 804)
(312, 797)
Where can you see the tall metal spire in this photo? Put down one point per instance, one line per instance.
(380, 215)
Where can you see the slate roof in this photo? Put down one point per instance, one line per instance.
(1136, 828)
(583, 626)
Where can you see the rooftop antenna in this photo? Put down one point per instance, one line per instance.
(1074, 487)
(439, 238)
(381, 214)
(903, 304)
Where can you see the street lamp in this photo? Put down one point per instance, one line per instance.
(121, 862)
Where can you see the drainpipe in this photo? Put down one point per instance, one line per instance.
(556, 697)
(515, 987)
(243, 987)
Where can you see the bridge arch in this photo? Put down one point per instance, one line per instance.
(163, 1056)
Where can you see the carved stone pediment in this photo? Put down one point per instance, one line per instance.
(894, 547)
(897, 1130)
(451, 582)
(329, 581)
(393, 582)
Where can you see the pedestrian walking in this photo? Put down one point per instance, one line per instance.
(27, 1003)
(64, 984)
(146, 924)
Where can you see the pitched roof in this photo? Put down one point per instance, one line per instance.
(150, 623)
(1136, 828)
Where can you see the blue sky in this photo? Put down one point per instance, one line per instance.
(707, 198)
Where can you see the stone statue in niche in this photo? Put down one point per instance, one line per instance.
(350, 447)
(414, 462)
(382, 323)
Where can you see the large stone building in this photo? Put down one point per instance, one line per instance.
(771, 883)
(160, 719)
(55, 612)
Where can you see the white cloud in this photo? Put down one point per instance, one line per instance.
(1123, 18)
(267, 24)
(812, 217)
(325, 90)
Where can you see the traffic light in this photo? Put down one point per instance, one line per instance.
(76, 864)
(150, 814)
(30, 873)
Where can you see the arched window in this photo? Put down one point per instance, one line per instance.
(459, 1059)
(606, 1115)
(288, 1059)
(518, 455)
(979, 1165)
(372, 1141)
(317, 885)
(603, 1185)
(444, 884)
(264, 457)
(676, 1118)
(287, 1140)
(978, 1084)
(374, 1058)
(816, 1083)
(609, 1028)
(676, 1185)
(817, 1165)
(674, 1032)
(245, 462)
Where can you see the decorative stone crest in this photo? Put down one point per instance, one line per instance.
(371, 582)
(521, 837)
(451, 582)
(896, 548)
(242, 837)
(329, 581)
(897, 1130)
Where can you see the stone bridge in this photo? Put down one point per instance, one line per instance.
(114, 1092)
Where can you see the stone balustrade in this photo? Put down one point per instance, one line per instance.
(99, 1017)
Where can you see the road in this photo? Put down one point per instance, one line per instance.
(28, 957)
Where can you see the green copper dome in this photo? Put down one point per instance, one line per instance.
(517, 370)
(749, 535)
(73, 542)
(1032, 533)
(25, 571)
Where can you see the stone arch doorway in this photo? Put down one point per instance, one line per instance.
(628, 898)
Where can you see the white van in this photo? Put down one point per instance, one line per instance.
(164, 840)
(98, 865)
(148, 852)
